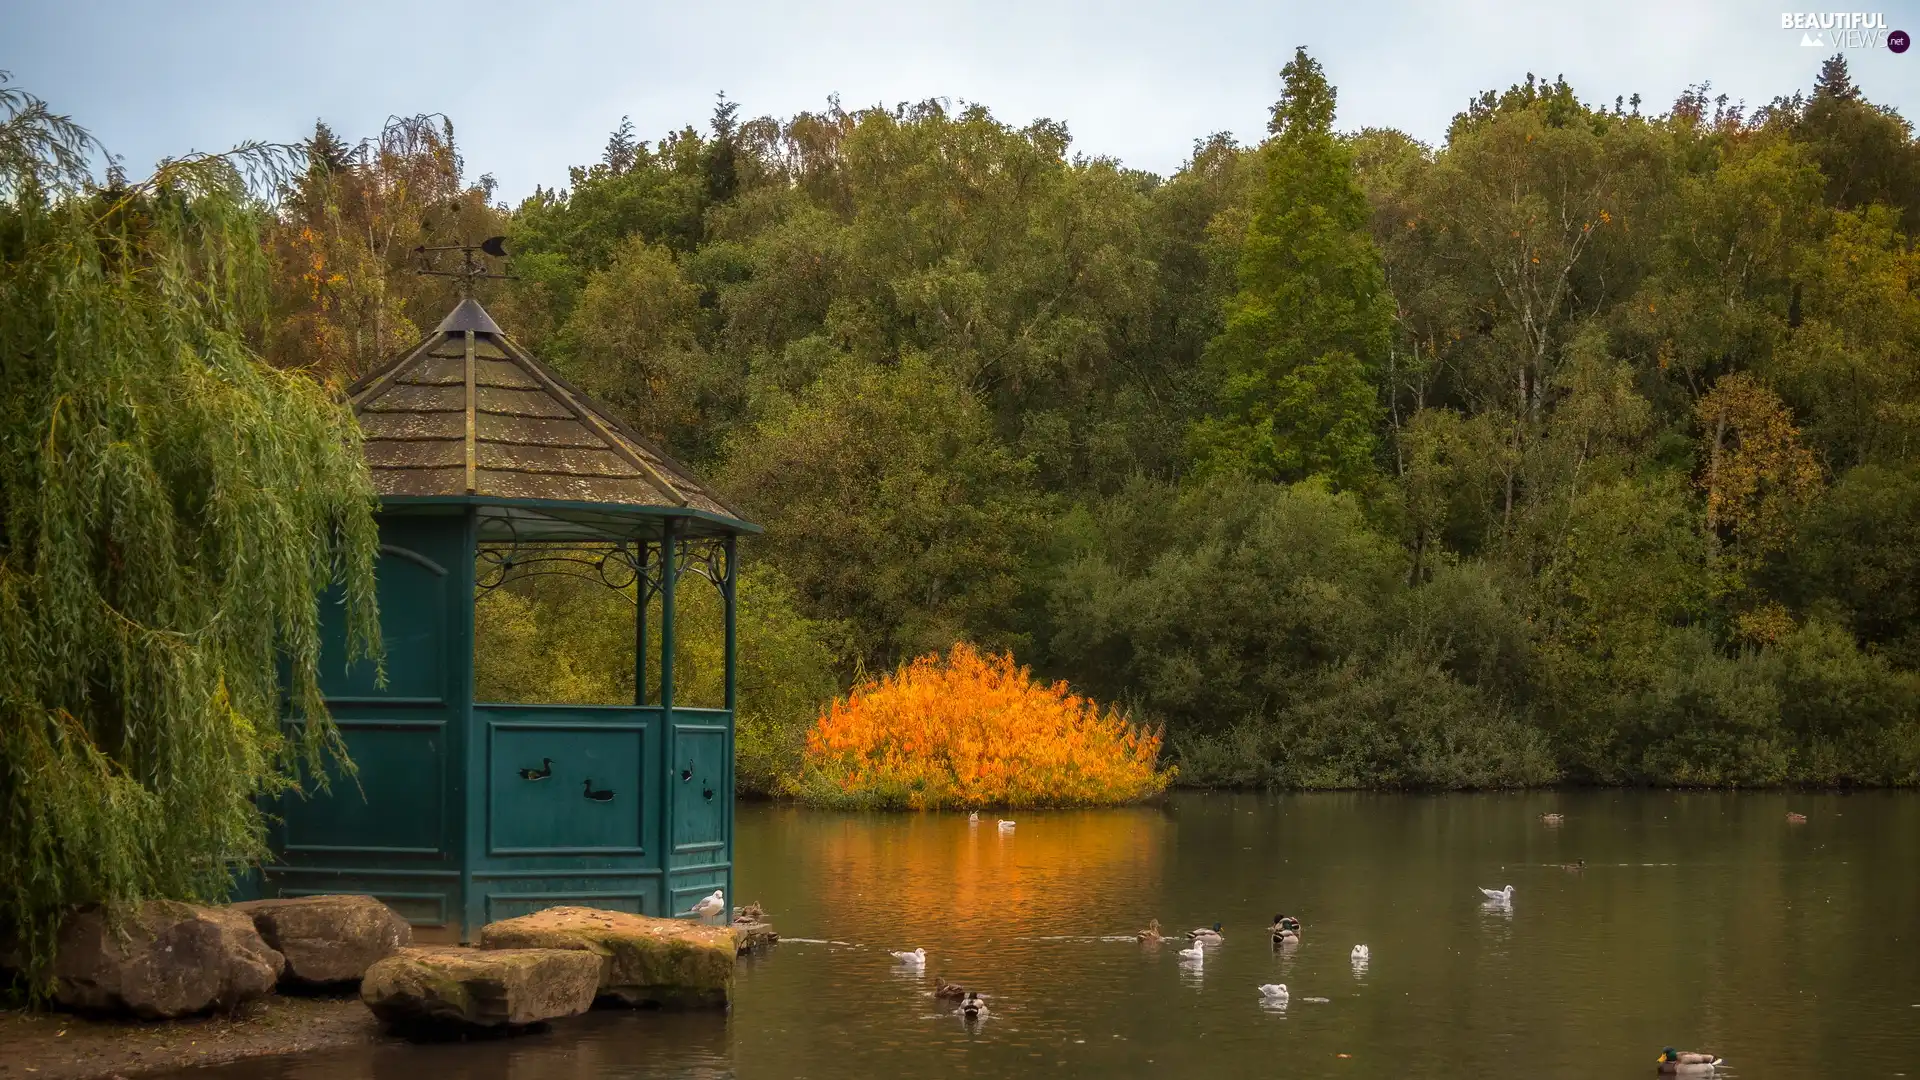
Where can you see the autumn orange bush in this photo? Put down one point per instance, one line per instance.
(972, 730)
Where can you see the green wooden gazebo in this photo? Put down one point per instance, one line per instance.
(490, 466)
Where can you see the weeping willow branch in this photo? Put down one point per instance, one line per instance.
(171, 509)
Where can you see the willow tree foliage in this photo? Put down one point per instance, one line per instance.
(170, 510)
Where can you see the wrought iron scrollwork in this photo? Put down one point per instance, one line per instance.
(709, 559)
(617, 566)
(635, 569)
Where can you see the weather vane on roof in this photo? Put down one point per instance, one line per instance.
(471, 268)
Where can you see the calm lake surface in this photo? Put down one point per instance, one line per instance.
(1701, 921)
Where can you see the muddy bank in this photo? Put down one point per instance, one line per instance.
(59, 1046)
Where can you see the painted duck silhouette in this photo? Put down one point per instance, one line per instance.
(545, 770)
(603, 795)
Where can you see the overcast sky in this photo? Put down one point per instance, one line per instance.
(535, 85)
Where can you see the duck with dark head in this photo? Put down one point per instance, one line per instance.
(1286, 930)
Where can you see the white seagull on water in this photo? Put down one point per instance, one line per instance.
(916, 958)
(1499, 896)
(1274, 993)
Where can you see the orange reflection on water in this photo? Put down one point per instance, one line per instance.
(1058, 872)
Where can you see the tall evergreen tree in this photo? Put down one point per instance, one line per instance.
(723, 176)
(1868, 152)
(1312, 317)
(325, 150)
(622, 148)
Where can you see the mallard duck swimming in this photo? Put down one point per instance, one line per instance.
(916, 958)
(1205, 936)
(1286, 930)
(947, 991)
(1553, 819)
(1151, 935)
(973, 1007)
(1575, 866)
(1685, 1062)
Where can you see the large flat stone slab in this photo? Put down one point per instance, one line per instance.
(160, 960)
(669, 963)
(448, 988)
(328, 940)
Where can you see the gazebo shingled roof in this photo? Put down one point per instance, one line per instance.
(498, 428)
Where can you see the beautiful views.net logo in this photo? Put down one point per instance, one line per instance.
(1845, 30)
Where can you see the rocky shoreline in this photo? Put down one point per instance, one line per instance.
(63, 1046)
(168, 985)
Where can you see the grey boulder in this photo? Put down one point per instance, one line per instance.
(162, 959)
(328, 940)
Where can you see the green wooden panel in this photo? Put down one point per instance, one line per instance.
(413, 600)
(510, 905)
(554, 815)
(395, 805)
(702, 788)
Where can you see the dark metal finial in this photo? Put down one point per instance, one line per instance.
(471, 268)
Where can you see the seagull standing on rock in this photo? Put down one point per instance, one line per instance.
(709, 906)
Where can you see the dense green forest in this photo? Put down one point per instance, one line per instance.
(1582, 447)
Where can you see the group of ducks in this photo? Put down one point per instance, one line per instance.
(1285, 934)
(972, 1006)
(973, 818)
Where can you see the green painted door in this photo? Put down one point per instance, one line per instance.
(392, 827)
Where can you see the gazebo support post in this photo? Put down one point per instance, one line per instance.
(728, 589)
(669, 748)
(643, 599)
(730, 664)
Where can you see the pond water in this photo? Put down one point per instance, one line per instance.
(1700, 921)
